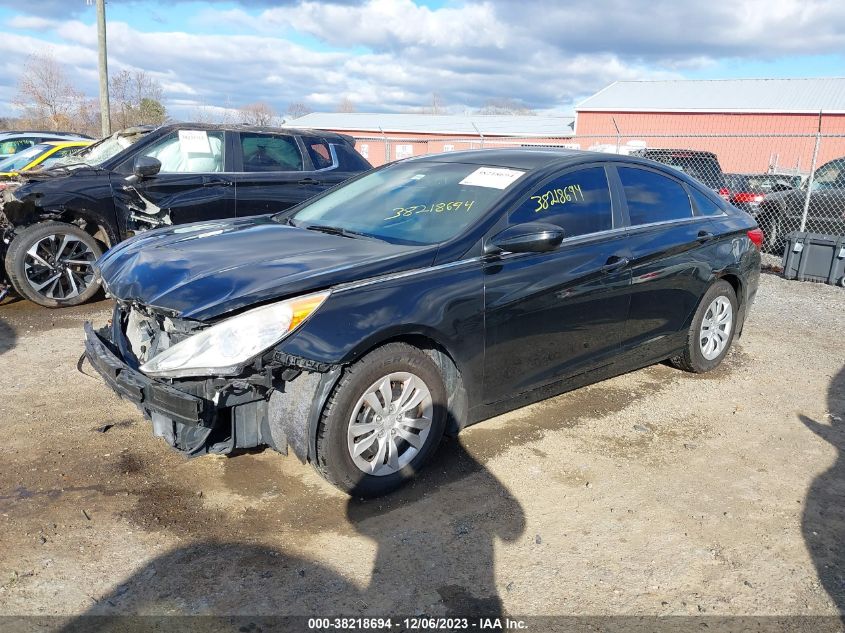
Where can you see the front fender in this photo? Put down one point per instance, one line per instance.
(444, 304)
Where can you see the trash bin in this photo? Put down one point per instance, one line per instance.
(815, 257)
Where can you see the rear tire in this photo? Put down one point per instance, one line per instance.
(712, 330)
(382, 422)
(51, 264)
(771, 226)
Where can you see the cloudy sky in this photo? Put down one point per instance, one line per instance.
(393, 55)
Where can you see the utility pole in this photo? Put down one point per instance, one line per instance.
(105, 117)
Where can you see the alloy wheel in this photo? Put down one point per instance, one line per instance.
(59, 266)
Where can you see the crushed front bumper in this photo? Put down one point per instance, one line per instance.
(212, 416)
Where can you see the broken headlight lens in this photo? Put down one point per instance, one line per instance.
(221, 349)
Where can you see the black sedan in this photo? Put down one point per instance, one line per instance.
(419, 298)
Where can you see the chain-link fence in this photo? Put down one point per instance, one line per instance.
(789, 182)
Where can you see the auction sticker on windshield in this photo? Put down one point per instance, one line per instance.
(492, 177)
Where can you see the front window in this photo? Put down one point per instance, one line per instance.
(411, 203)
(188, 151)
(578, 202)
(20, 160)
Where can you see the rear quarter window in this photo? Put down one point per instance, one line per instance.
(349, 159)
(704, 204)
(653, 197)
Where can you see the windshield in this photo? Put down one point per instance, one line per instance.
(410, 203)
(22, 159)
(97, 153)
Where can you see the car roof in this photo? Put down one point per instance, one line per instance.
(243, 127)
(55, 135)
(531, 158)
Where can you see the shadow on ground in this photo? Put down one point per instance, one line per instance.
(8, 336)
(823, 523)
(420, 556)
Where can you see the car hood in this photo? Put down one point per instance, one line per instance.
(76, 170)
(201, 271)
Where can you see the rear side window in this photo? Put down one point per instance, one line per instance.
(319, 152)
(266, 152)
(349, 159)
(704, 205)
(578, 202)
(653, 197)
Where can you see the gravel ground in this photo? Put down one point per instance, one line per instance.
(657, 492)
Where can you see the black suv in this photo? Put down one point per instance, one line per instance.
(59, 221)
(703, 166)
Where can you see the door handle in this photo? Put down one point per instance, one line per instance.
(705, 236)
(309, 181)
(217, 182)
(615, 263)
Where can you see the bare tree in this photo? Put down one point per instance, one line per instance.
(258, 113)
(346, 105)
(505, 105)
(45, 95)
(436, 106)
(298, 109)
(136, 99)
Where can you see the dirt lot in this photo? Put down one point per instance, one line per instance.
(657, 492)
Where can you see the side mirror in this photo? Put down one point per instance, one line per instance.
(529, 237)
(146, 167)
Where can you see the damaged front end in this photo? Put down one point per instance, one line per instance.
(268, 401)
(7, 234)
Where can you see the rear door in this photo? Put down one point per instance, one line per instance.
(550, 315)
(669, 265)
(192, 185)
(273, 174)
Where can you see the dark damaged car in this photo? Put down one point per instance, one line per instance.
(59, 221)
(419, 298)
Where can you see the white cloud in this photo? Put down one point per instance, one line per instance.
(546, 54)
(31, 23)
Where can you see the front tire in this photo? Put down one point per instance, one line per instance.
(382, 422)
(52, 264)
(712, 330)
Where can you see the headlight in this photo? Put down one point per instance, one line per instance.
(222, 348)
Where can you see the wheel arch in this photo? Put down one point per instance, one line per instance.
(82, 218)
(450, 371)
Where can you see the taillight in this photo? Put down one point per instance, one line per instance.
(725, 193)
(747, 197)
(756, 236)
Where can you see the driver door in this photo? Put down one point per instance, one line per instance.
(192, 185)
(554, 314)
